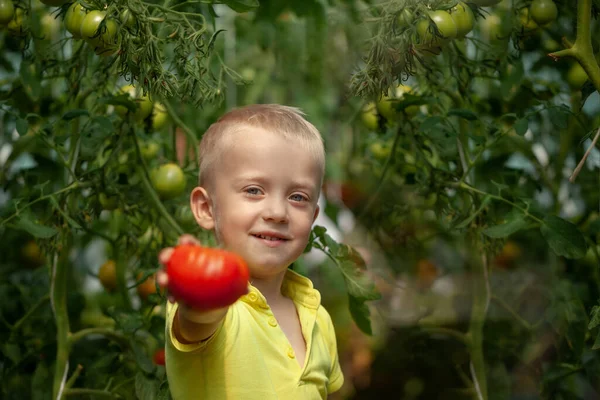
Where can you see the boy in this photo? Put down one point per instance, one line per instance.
(261, 170)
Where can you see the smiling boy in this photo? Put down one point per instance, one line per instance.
(261, 170)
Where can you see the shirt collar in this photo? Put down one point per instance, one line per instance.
(295, 286)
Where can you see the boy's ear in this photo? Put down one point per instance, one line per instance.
(317, 209)
(202, 208)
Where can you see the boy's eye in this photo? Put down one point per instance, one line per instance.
(298, 197)
(253, 191)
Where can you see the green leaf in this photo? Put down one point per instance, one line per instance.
(563, 237)
(72, 114)
(129, 323)
(22, 126)
(559, 371)
(26, 223)
(358, 284)
(142, 359)
(463, 113)
(104, 124)
(360, 314)
(514, 223)
(596, 344)
(12, 352)
(145, 388)
(430, 122)
(521, 126)
(241, 6)
(594, 317)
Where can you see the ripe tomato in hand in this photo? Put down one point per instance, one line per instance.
(206, 278)
(159, 357)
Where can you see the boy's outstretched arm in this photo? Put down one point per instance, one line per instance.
(190, 325)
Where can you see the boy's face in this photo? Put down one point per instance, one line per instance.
(263, 196)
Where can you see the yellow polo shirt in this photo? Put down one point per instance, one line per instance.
(249, 357)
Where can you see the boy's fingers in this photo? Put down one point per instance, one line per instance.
(162, 278)
(171, 299)
(188, 239)
(165, 254)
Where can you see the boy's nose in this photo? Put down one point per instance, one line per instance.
(275, 211)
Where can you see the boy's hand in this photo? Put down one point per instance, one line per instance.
(190, 313)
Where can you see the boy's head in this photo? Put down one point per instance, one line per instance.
(286, 121)
(261, 170)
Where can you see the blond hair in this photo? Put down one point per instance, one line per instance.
(284, 120)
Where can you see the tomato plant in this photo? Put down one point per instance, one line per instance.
(206, 278)
(436, 28)
(463, 17)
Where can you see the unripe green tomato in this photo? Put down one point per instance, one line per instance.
(50, 27)
(144, 105)
(15, 26)
(576, 76)
(7, 11)
(73, 19)
(127, 18)
(527, 22)
(405, 18)
(369, 116)
(445, 26)
(168, 180)
(493, 28)
(463, 18)
(543, 11)
(160, 117)
(108, 202)
(149, 150)
(92, 23)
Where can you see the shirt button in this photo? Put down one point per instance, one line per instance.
(252, 297)
(272, 321)
(290, 353)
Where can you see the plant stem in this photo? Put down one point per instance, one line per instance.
(465, 186)
(438, 330)
(481, 301)
(386, 167)
(152, 193)
(109, 333)
(31, 311)
(58, 296)
(91, 392)
(512, 312)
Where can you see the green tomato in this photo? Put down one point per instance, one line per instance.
(127, 18)
(149, 150)
(493, 28)
(463, 18)
(15, 26)
(445, 25)
(74, 18)
(90, 26)
(368, 116)
(405, 18)
(50, 27)
(168, 180)
(576, 76)
(380, 151)
(543, 11)
(108, 202)
(485, 3)
(160, 117)
(385, 106)
(7, 11)
(527, 22)
(144, 105)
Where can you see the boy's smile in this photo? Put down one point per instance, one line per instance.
(263, 196)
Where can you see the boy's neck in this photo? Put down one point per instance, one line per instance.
(270, 287)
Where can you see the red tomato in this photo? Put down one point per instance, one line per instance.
(159, 357)
(206, 278)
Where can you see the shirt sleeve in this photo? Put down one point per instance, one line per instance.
(336, 377)
(213, 341)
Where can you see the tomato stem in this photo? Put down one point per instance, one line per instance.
(481, 301)
(109, 333)
(153, 196)
(58, 295)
